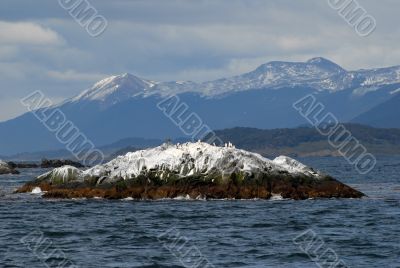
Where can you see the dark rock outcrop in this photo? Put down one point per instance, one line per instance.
(23, 165)
(5, 168)
(59, 163)
(54, 163)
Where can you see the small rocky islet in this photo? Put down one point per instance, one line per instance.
(12, 167)
(46, 163)
(6, 168)
(191, 170)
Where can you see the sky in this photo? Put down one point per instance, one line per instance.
(42, 47)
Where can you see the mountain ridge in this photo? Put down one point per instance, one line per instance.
(318, 73)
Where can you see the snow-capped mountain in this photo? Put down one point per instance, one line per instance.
(319, 74)
(123, 106)
(184, 160)
(117, 88)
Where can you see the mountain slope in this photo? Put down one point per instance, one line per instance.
(383, 115)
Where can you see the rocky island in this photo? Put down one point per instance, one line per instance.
(5, 168)
(192, 170)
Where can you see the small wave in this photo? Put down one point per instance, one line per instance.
(276, 197)
(181, 197)
(75, 199)
(37, 190)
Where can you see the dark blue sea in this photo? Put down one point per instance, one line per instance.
(36, 232)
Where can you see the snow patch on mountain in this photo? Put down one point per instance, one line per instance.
(395, 91)
(116, 88)
(382, 76)
(364, 90)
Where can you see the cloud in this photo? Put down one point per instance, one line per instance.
(7, 52)
(75, 76)
(27, 33)
(12, 107)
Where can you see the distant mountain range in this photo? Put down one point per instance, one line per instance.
(301, 141)
(306, 141)
(126, 106)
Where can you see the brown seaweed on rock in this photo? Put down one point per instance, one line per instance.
(263, 187)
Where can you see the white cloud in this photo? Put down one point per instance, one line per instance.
(12, 107)
(27, 33)
(75, 76)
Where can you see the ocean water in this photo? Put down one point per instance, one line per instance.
(195, 233)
